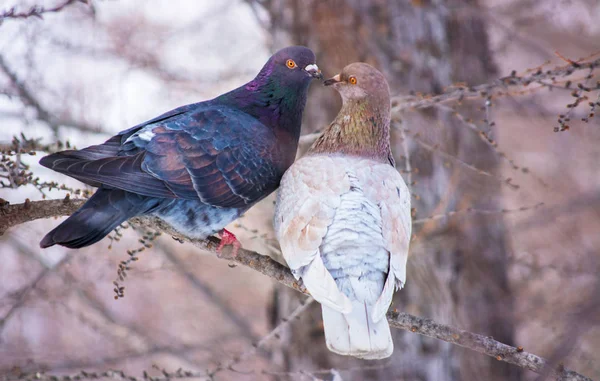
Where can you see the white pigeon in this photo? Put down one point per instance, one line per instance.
(343, 218)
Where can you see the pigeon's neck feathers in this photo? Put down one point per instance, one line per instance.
(269, 100)
(361, 128)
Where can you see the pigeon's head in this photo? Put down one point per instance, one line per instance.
(360, 81)
(294, 65)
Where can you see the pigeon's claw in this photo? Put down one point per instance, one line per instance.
(228, 238)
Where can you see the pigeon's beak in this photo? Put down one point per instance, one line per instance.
(314, 71)
(332, 81)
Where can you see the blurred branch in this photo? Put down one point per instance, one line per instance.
(29, 99)
(407, 165)
(304, 304)
(475, 211)
(269, 267)
(36, 11)
(23, 145)
(500, 18)
(582, 203)
(482, 344)
(309, 139)
(586, 318)
(311, 374)
(496, 88)
(136, 338)
(228, 312)
(436, 149)
(109, 374)
(14, 169)
(22, 294)
(118, 356)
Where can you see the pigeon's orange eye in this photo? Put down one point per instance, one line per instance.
(290, 63)
(352, 80)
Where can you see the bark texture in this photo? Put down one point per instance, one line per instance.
(457, 270)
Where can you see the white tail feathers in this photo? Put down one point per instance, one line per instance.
(356, 334)
(322, 286)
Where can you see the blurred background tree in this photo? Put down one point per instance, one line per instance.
(458, 269)
(88, 70)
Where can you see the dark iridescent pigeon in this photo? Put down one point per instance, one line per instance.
(198, 167)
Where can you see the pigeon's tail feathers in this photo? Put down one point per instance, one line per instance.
(109, 148)
(63, 161)
(356, 334)
(103, 212)
(123, 172)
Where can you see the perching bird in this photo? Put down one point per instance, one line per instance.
(198, 167)
(343, 218)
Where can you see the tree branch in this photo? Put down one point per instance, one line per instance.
(498, 87)
(244, 328)
(44, 115)
(23, 294)
(13, 215)
(17, 214)
(35, 11)
(482, 344)
(304, 304)
(23, 145)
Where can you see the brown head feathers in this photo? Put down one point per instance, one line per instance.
(362, 127)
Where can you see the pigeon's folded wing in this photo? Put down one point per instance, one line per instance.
(307, 201)
(219, 155)
(383, 185)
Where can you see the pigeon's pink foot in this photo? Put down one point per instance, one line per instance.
(228, 238)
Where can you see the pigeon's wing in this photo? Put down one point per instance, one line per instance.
(218, 155)
(225, 157)
(162, 118)
(118, 145)
(308, 198)
(383, 185)
(123, 144)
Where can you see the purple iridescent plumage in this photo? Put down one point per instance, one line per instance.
(198, 167)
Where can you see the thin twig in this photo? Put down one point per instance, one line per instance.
(309, 138)
(304, 304)
(487, 105)
(227, 311)
(29, 99)
(407, 166)
(483, 136)
(304, 373)
(497, 87)
(109, 374)
(35, 11)
(475, 211)
(435, 148)
(24, 293)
